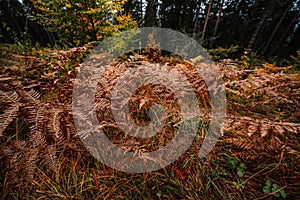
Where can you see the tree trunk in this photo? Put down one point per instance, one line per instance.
(258, 29)
(196, 20)
(141, 12)
(290, 26)
(276, 28)
(150, 16)
(206, 20)
(217, 22)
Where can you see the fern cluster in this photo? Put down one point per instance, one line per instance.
(38, 139)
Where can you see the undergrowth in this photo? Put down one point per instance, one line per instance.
(42, 156)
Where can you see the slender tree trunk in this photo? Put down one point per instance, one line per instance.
(206, 20)
(141, 12)
(257, 30)
(150, 16)
(217, 22)
(287, 30)
(51, 38)
(181, 15)
(196, 20)
(276, 28)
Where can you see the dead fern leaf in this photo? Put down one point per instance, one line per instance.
(29, 163)
(252, 129)
(10, 96)
(55, 124)
(264, 129)
(49, 155)
(31, 96)
(8, 116)
(38, 139)
(36, 116)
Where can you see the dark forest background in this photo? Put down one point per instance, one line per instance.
(267, 27)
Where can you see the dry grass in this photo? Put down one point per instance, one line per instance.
(43, 157)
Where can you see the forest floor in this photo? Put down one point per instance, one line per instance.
(256, 157)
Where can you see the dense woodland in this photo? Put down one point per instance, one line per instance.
(255, 48)
(270, 28)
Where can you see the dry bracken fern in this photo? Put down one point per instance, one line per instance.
(262, 122)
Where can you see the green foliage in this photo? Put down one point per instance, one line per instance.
(296, 60)
(23, 42)
(240, 168)
(25, 46)
(239, 184)
(249, 60)
(245, 60)
(231, 162)
(223, 53)
(78, 22)
(274, 188)
(280, 62)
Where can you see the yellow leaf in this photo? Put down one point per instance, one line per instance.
(99, 37)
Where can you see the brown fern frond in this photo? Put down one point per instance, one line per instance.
(49, 157)
(8, 116)
(264, 129)
(71, 130)
(29, 163)
(264, 83)
(19, 145)
(31, 96)
(261, 137)
(5, 78)
(36, 112)
(264, 126)
(35, 118)
(230, 70)
(8, 151)
(10, 96)
(34, 94)
(12, 156)
(252, 128)
(55, 124)
(37, 139)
